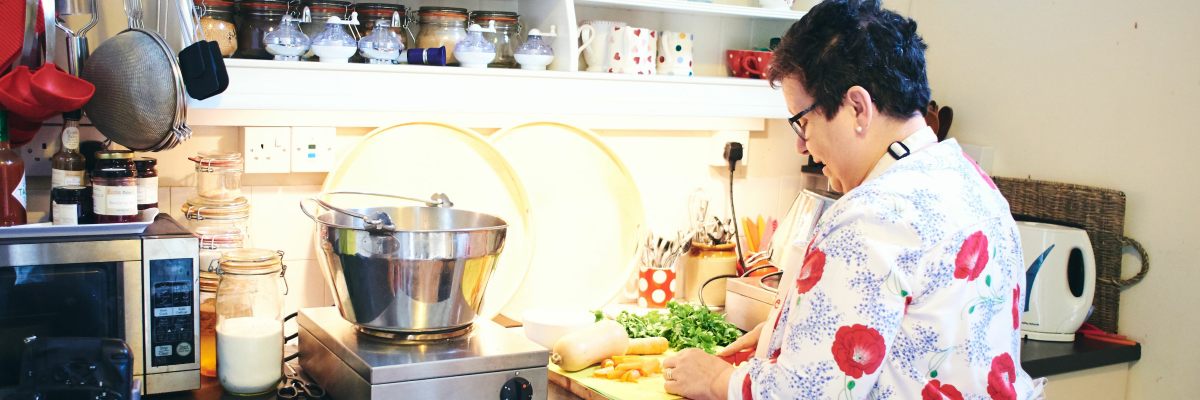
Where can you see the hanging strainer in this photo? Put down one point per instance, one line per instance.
(139, 101)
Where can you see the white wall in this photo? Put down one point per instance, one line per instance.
(1101, 93)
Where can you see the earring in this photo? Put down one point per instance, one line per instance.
(858, 129)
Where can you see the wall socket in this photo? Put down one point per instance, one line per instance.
(717, 150)
(266, 149)
(312, 148)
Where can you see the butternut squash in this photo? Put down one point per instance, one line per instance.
(580, 349)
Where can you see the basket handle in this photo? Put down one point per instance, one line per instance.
(1124, 283)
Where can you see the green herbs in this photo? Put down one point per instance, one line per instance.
(684, 326)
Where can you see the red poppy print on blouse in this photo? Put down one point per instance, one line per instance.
(1016, 299)
(972, 257)
(747, 391)
(935, 390)
(982, 174)
(811, 271)
(858, 350)
(1000, 379)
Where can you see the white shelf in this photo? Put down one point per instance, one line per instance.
(278, 93)
(691, 7)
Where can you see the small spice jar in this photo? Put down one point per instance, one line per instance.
(249, 324)
(114, 187)
(256, 19)
(217, 25)
(219, 176)
(202, 213)
(369, 15)
(208, 323)
(147, 186)
(70, 205)
(508, 30)
(442, 26)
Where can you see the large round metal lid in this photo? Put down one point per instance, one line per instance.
(421, 158)
(587, 210)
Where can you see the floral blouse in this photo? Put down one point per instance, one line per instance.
(908, 289)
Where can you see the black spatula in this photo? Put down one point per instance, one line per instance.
(200, 62)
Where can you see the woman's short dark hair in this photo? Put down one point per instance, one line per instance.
(842, 43)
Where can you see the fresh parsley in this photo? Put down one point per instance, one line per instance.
(684, 326)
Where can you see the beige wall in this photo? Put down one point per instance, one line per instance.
(1102, 93)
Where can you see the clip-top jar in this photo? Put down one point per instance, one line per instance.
(114, 187)
(217, 24)
(442, 26)
(256, 18)
(508, 31)
(249, 320)
(203, 213)
(369, 14)
(219, 176)
(208, 323)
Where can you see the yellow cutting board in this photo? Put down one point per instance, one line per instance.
(647, 388)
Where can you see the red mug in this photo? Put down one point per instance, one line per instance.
(757, 63)
(733, 60)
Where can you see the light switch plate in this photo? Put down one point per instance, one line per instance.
(266, 149)
(312, 148)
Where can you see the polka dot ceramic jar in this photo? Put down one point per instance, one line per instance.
(675, 53)
(656, 286)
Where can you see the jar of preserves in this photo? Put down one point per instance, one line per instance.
(256, 18)
(70, 205)
(147, 187)
(249, 324)
(217, 25)
(208, 323)
(114, 187)
(202, 213)
(442, 26)
(219, 176)
(319, 11)
(369, 15)
(508, 32)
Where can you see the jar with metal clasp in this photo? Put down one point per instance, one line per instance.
(249, 310)
(217, 24)
(442, 26)
(369, 15)
(255, 19)
(508, 33)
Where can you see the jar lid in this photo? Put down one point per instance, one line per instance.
(216, 237)
(226, 4)
(114, 155)
(209, 282)
(143, 163)
(442, 11)
(199, 208)
(68, 194)
(251, 261)
(269, 7)
(494, 15)
(328, 6)
(222, 160)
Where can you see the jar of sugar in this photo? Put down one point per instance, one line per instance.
(249, 320)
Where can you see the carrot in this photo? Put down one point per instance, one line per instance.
(651, 366)
(614, 373)
(649, 345)
(625, 359)
(608, 362)
(629, 365)
(631, 376)
(602, 372)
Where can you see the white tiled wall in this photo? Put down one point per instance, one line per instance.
(667, 167)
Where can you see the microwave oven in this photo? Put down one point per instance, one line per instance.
(140, 288)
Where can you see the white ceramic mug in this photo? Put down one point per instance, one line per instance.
(632, 50)
(594, 46)
(675, 55)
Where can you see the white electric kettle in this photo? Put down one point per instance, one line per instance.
(1060, 280)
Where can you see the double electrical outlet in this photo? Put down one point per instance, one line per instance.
(283, 149)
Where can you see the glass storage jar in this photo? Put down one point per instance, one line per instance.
(256, 18)
(249, 324)
(214, 242)
(147, 187)
(442, 26)
(202, 213)
(508, 32)
(219, 176)
(217, 24)
(114, 187)
(208, 323)
(369, 14)
(319, 11)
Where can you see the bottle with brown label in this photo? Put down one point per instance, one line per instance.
(67, 165)
(12, 180)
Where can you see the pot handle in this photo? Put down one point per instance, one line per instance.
(1124, 283)
(383, 221)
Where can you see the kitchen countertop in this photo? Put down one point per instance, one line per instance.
(1038, 358)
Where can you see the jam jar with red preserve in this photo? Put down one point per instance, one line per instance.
(114, 187)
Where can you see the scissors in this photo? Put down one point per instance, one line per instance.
(296, 387)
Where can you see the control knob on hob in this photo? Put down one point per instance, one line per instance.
(516, 389)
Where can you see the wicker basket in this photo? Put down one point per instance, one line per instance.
(1100, 212)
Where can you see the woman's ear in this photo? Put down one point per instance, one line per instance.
(864, 110)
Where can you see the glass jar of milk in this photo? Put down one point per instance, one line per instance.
(249, 320)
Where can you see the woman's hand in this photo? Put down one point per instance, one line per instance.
(696, 375)
(747, 341)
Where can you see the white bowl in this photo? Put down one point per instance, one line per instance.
(545, 326)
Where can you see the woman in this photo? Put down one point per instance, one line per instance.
(910, 285)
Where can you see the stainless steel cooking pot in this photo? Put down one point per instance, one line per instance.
(407, 272)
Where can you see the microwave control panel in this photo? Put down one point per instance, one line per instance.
(172, 308)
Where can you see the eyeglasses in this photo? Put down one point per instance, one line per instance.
(794, 121)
